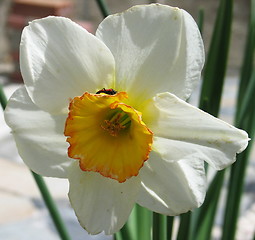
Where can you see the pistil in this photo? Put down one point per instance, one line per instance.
(116, 123)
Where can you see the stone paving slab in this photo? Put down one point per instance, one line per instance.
(40, 227)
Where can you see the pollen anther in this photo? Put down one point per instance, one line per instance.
(119, 121)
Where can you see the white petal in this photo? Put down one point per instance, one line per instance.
(39, 136)
(59, 60)
(101, 204)
(157, 48)
(182, 131)
(172, 188)
(186, 72)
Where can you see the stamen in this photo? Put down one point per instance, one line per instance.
(118, 121)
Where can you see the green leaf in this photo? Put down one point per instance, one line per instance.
(213, 80)
(139, 224)
(200, 21)
(118, 236)
(144, 223)
(169, 230)
(126, 232)
(245, 119)
(204, 217)
(238, 169)
(3, 98)
(248, 64)
(215, 67)
(159, 227)
(129, 230)
(246, 103)
(184, 228)
(103, 8)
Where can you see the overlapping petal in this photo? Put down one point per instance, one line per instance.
(38, 135)
(101, 204)
(185, 132)
(186, 71)
(157, 49)
(172, 188)
(60, 60)
(144, 51)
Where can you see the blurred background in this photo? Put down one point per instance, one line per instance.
(22, 212)
(15, 14)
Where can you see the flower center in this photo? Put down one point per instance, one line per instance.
(117, 121)
(107, 136)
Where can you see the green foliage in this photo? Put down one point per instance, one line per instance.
(245, 119)
(215, 68)
(213, 80)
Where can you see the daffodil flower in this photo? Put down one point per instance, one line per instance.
(108, 112)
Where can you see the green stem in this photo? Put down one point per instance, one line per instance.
(245, 119)
(215, 68)
(3, 98)
(213, 80)
(169, 230)
(159, 227)
(184, 228)
(236, 183)
(126, 233)
(200, 20)
(233, 199)
(144, 222)
(156, 226)
(247, 64)
(129, 230)
(203, 219)
(103, 8)
(51, 207)
(44, 191)
(117, 236)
